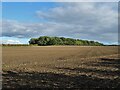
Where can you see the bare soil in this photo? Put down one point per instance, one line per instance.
(61, 67)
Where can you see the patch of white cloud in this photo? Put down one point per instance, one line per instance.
(92, 21)
(11, 42)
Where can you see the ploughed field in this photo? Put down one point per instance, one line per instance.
(61, 67)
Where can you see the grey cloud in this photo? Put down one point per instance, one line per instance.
(17, 29)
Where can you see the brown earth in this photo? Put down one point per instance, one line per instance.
(61, 67)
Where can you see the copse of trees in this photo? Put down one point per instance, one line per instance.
(45, 41)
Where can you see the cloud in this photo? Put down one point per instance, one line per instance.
(89, 20)
(93, 21)
(22, 30)
(11, 42)
(83, 14)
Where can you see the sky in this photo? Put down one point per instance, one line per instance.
(60, 0)
(96, 21)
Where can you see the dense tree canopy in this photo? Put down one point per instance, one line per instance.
(45, 40)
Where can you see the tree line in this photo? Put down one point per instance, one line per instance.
(14, 44)
(46, 40)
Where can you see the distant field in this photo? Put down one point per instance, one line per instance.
(61, 66)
